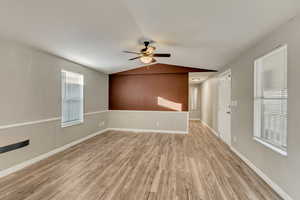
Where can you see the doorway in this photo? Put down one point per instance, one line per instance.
(224, 107)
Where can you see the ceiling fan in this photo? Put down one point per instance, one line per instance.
(146, 55)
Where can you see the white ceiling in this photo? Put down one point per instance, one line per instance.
(198, 33)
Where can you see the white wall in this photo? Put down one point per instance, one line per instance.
(161, 121)
(282, 170)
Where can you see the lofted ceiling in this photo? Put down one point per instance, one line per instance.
(198, 33)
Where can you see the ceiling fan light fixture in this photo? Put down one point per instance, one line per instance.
(146, 59)
(147, 55)
(150, 50)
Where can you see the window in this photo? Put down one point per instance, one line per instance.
(270, 100)
(72, 98)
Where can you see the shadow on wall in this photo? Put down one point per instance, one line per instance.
(169, 104)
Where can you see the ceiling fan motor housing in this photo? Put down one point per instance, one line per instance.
(147, 54)
(146, 46)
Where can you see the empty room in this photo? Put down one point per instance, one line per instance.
(149, 100)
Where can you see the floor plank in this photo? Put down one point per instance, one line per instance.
(140, 166)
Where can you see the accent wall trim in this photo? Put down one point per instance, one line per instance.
(261, 174)
(46, 155)
(44, 120)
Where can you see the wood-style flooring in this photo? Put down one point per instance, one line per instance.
(140, 166)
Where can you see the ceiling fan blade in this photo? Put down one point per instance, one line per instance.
(131, 52)
(135, 58)
(161, 55)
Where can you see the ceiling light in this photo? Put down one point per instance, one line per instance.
(150, 50)
(146, 59)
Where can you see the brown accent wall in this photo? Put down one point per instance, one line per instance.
(149, 92)
(157, 87)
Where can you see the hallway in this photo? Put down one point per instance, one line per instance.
(121, 165)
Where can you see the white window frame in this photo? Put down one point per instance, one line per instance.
(75, 122)
(256, 122)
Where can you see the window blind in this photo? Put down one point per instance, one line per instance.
(72, 98)
(270, 98)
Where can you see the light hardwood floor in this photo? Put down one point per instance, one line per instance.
(140, 166)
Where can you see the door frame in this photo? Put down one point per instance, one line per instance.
(225, 73)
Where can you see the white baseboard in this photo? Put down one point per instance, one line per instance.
(273, 185)
(46, 155)
(210, 128)
(148, 130)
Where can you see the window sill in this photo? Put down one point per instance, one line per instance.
(68, 124)
(276, 149)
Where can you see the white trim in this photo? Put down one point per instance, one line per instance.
(96, 112)
(261, 174)
(44, 120)
(73, 123)
(210, 128)
(148, 111)
(274, 148)
(29, 123)
(275, 50)
(46, 155)
(148, 130)
(195, 119)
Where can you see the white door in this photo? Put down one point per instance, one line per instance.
(224, 107)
